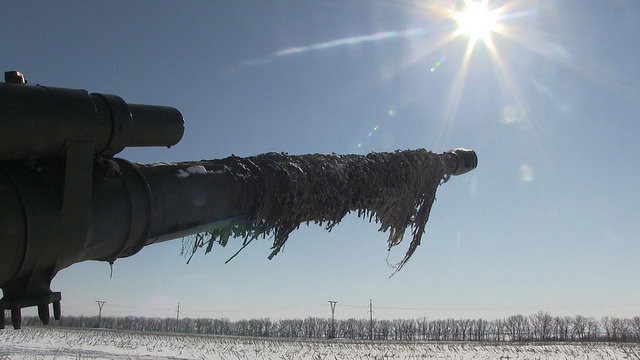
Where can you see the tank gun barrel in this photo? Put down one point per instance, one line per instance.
(64, 198)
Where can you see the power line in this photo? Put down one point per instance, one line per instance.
(139, 307)
(370, 320)
(354, 306)
(100, 305)
(178, 317)
(333, 320)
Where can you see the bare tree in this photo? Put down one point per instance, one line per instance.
(465, 328)
(409, 329)
(593, 328)
(539, 326)
(620, 329)
(438, 330)
(579, 328)
(384, 328)
(480, 329)
(607, 327)
(498, 327)
(635, 326)
(541, 323)
(423, 328)
(517, 326)
(561, 326)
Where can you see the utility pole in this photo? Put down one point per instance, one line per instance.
(333, 320)
(177, 317)
(370, 320)
(100, 305)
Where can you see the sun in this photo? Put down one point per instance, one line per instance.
(477, 20)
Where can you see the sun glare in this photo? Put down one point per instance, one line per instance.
(476, 20)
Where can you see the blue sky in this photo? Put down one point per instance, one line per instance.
(548, 220)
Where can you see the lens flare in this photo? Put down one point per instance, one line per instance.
(437, 64)
(526, 173)
(512, 114)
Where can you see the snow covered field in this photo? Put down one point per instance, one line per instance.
(57, 343)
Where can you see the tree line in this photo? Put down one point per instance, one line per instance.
(540, 326)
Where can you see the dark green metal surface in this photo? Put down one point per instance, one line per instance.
(64, 198)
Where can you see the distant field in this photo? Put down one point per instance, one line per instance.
(62, 344)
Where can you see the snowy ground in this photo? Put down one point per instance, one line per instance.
(56, 343)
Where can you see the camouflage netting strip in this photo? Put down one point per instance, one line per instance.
(396, 190)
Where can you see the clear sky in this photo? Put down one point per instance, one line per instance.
(549, 100)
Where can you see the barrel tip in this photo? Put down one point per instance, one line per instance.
(467, 160)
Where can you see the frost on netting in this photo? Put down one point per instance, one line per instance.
(395, 190)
